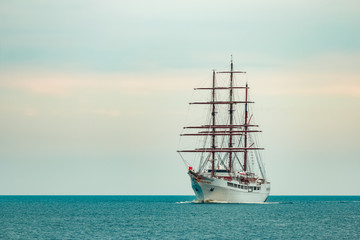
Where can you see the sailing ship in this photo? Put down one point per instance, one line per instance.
(227, 166)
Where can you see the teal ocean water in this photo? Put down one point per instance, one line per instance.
(178, 217)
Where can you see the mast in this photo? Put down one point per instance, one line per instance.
(246, 127)
(231, 112)
(213, 129)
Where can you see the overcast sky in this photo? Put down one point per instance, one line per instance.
(94, 94)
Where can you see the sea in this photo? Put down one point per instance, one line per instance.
(178, 217)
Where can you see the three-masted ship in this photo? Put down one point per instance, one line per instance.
(228, 165)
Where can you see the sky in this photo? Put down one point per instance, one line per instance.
(94, 94)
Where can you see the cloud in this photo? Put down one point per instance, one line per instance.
(333, 74)
(133, 36)
(60, 84)
(106, 112)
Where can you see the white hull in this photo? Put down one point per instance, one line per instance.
(222, 190)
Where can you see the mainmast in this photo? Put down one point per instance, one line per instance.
(231, 112)
(213, 128)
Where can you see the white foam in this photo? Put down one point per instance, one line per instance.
(185, 202)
